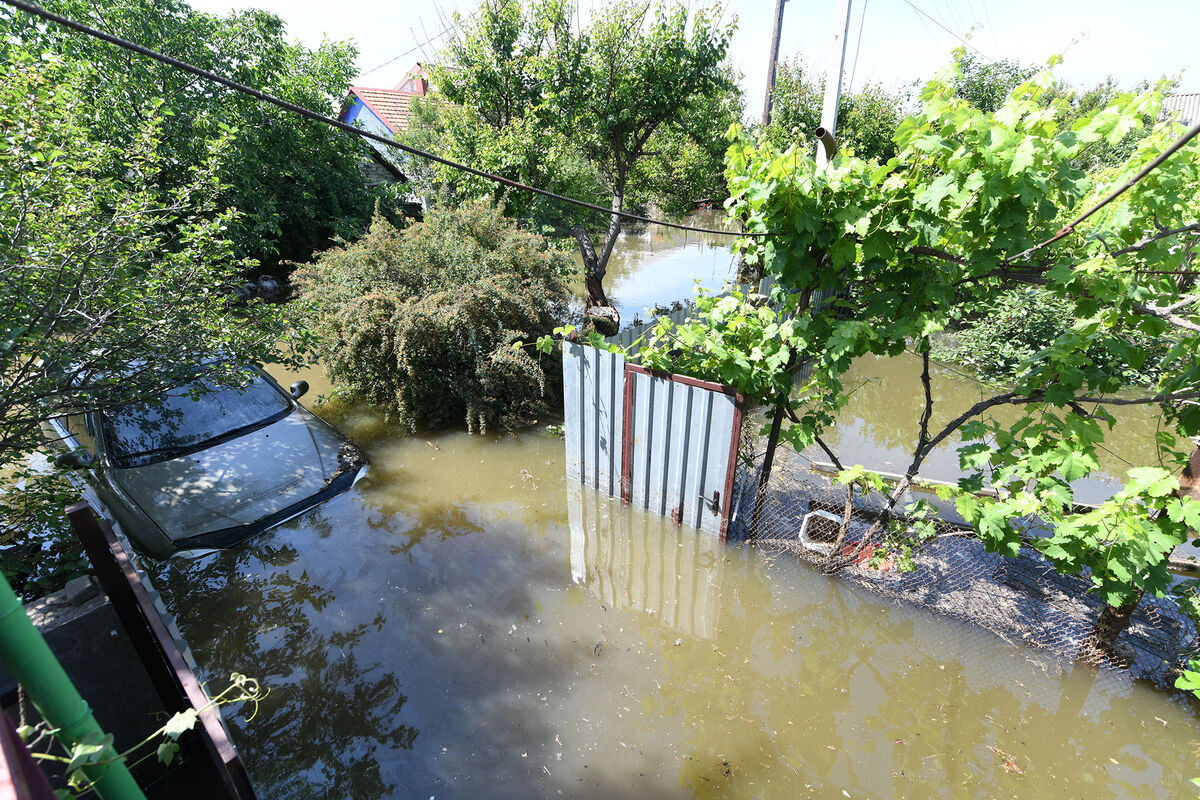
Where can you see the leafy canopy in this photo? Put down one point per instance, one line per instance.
(875, 257)
(115, 283)
(296, 185)
(625, 110)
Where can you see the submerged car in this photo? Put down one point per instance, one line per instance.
(211, 464)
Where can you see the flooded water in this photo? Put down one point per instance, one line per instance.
(878, 427)
(653, 265)
(464, 624)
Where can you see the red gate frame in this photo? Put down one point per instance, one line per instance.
(739, 402)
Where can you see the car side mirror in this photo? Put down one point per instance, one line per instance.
(76, 459)
(298, 389)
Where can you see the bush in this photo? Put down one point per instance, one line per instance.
(421, 320)
(1003, 343)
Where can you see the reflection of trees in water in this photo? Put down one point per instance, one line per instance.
(366, 687)
(279, 627)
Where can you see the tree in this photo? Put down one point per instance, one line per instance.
(583, 112)
(633, 77)
(987, 85)
(867, 119)
(296, 185)
(113, 288)
(951, 223)
(422, 320)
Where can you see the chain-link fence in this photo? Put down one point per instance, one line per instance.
(946, 569)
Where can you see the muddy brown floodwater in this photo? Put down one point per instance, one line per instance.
(465, 625)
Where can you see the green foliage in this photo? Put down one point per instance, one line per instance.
(940, 233)
(1005, 340)
(867, 118)
(626, 110)
(727, 340)
(987, 84)
(296, 185)
(102, 267)
(94, 751)
(421, 320)
(38, 550)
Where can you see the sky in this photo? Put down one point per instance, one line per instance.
(890, 42)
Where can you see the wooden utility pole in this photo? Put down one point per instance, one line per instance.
(772, 63)
(833, 79)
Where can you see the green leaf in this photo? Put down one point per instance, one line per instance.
(166, 751)
(179, 724)
(974, 455)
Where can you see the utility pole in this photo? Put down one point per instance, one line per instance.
(771, 64)
(833, 80)
(825, 149)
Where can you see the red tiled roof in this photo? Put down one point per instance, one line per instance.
(390, 105)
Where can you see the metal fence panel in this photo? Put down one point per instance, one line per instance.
(665, 443)
(594, 416)
(683, 438)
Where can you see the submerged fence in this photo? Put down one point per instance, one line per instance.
(1023, 600)
(665, 443)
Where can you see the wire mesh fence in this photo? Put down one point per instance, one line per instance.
(1023, 599)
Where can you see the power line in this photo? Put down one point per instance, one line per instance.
(937, 22)
(854, 69)
(79, 27)
(406, 53)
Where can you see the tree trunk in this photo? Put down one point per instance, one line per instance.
(1101, 647)
(593, 270)
(595, 265)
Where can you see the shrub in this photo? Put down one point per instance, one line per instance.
(1004, 342)
(421, 320)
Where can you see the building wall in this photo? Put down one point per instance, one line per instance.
(358, 114)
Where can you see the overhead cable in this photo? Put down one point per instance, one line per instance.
(38, 11)
(430, 40)
(938, 22)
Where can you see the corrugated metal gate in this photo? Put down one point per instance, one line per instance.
(662, 442)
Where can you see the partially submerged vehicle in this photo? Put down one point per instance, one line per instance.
(210, 464)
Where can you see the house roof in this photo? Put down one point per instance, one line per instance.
(390, 105)
(1188, 106)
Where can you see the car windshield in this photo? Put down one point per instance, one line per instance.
(189, 417)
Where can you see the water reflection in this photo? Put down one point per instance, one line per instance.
(633, 560)
(456, 629)
(878, 427)
(653, 265)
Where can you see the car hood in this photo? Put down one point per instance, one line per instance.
(239, 481)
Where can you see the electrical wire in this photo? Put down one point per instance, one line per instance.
(79, 27)
(935, 21)
(857, 46)
(362, 75)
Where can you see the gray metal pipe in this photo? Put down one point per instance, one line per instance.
(826, 139)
